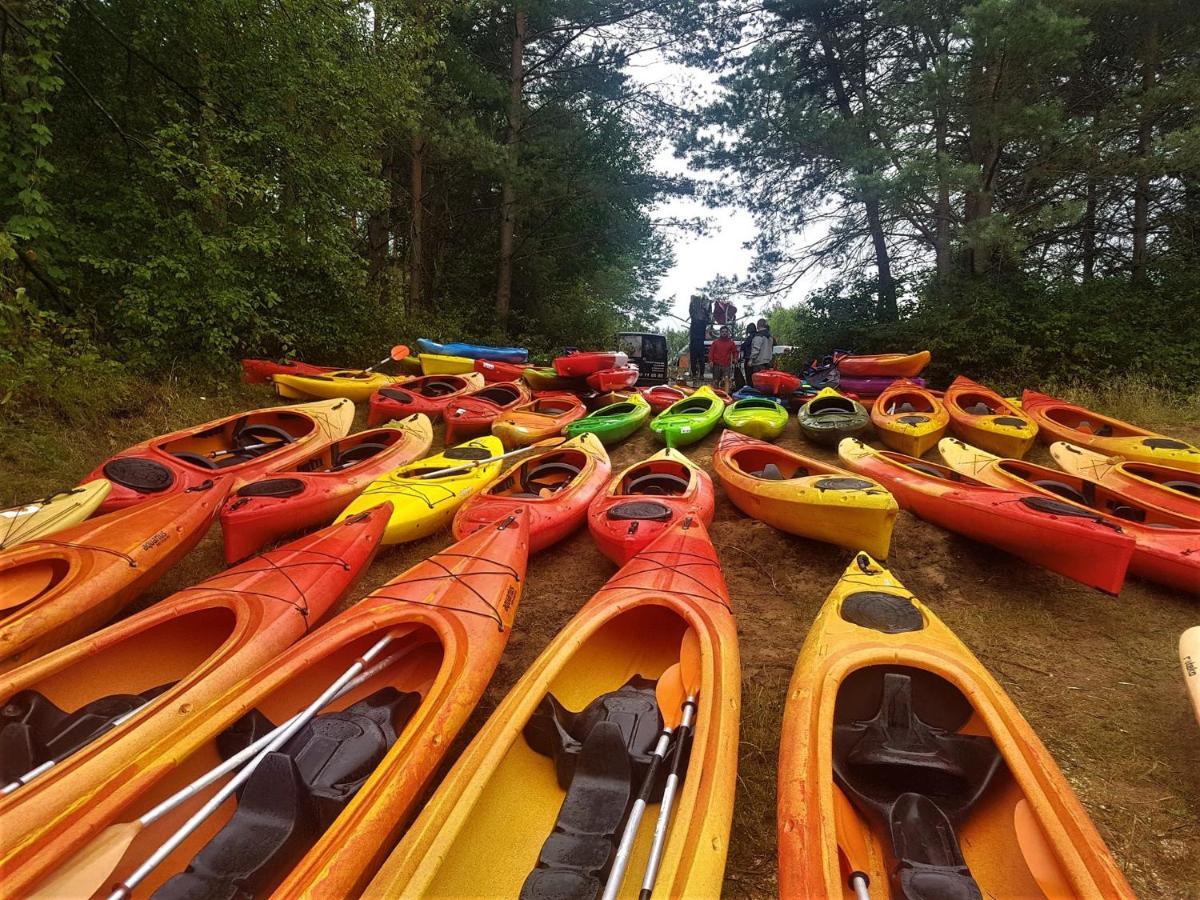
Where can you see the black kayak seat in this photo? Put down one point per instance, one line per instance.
(770, 472)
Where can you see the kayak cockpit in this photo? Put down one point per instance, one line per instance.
(542, 477)
(1086, 422)
(349, 451)
(239, 440)
(657, 478)
(27, 581)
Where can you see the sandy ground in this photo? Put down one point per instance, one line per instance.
(1097, 677)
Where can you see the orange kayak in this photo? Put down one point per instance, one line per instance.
(1172, 489)
(61, 587)
(450, 617)
(983, 418)
(171, 666)
(554, 486)
(899, 365)
(482, 832)
(544, 417)
(909, 419)
(902, 759)
(242, 446)
(1059, 420)
(472, 414)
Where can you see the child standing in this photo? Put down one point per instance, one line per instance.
(722, 353)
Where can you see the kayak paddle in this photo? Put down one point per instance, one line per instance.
(670, 695)
(690, 674)
(89, 869)
(397, 353)
(21, 780)
(475, 463)
(851, 843)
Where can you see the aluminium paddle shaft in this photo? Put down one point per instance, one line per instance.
(668, 800)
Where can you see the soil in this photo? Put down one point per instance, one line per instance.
(1097, 677)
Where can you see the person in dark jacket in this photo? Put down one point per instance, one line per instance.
(699, 313)
(742, 372)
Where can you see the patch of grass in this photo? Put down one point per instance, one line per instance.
(1132, 399)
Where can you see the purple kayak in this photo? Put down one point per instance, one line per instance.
(872, 385)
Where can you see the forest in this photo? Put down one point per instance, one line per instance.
(1014, 184)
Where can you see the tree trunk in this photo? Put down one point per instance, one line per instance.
(1089, 232)
(1141, 193)
(416, 237)
(983, 147)
(379, 224)
(508, 197)
(942, 208)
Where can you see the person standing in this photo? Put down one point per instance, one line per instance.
(699, 313)
(722, 355)
(762, 349)
(743, 368)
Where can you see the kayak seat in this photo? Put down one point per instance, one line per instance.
(1062, 489)
(919, 782)
(551, 476)
(600, 754)
(912, 420)
(770, 472)
(293, 795)
(979, 409)
(1126, 512)
(33, 730)
(145, 475)
(357, 454)
(658, 484)
(1186, 487)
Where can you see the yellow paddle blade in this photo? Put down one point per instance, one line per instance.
(852, 842)
(689, 662)
(399, 352)
(91, 868)
(670, 696)
(1039, 855)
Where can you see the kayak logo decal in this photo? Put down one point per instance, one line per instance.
(154, 540)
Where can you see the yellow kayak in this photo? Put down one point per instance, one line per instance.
(437, 364)
(353, 384)
(422, 506)
(50, 514)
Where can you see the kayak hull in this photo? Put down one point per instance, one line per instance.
(423, 506)
(613, 379)
(613, 423)
(1018, 522)
(689, 420)
(836, 683)
(829, 417)
(76, 580)
(355, 385)
(474, 351)
(441, 364)
(909, 419)
(809, 498)
(760, 418)
(471, 415)
(1058, 420)
(154, 468)
(428, 395)
(775, 382)
(1162, 486)
(580, 365)
(552, 517)
(897, 365)
(494, 371)
(312, 492)
(500, 792)
(537, 420)
(259, 371)
(202, 642)
(1003, 428)
(662, 396)
(646, 500)
(45, 516)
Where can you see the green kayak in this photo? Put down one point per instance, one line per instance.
(757, 417)
(829, 417)
(614, 422)
(689, 420)
(544, 378)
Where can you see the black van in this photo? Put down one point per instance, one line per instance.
(648, 352)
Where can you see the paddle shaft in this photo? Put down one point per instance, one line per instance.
(475, 463)
(625, 849)
(49, 764)
(282, 736)
(668, 800)
(858, 881)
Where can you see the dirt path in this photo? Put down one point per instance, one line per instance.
(1098, 678)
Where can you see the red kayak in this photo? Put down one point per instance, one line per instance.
(472, 414)
(1168, 544)
(556, 488)
(314, 490)
(171, 666)
(428, 394)
(1039, 529)
(494, 372)
(580, 365)
(897, 365)
(259, 371)
(63, 586)
(773, 381)
(242, 446)
(645, 500)
(614, 379)
(663, 395)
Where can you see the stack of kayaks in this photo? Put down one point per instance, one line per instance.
(428, 395)
(746, 392)
(241, 446)
(543, 418)
(1172, 489)
(759, 417)
(493, 371)
(803, 496)
(553, 487)
(125, 706)
(544, 378)
(646, 500)
(551, 775)
(471, 414)
(909, 418)
(60, 586)
(871, 386)
(474, 351)
(356, 385)
(689, 420)
(775, 382)
(580, 365)
(441, 364)
(906, 771)
(894, 365)
(313, 490)
(615, 422)
(829, 416)
(1167, 544)
(1058, 420)
(424, 495)
(259, 371)
(54, 512)
(983, 418)
(1043, 530)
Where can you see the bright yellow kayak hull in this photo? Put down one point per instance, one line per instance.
(50, 514)
(437, 364)
(353, 384)
(424, 506)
